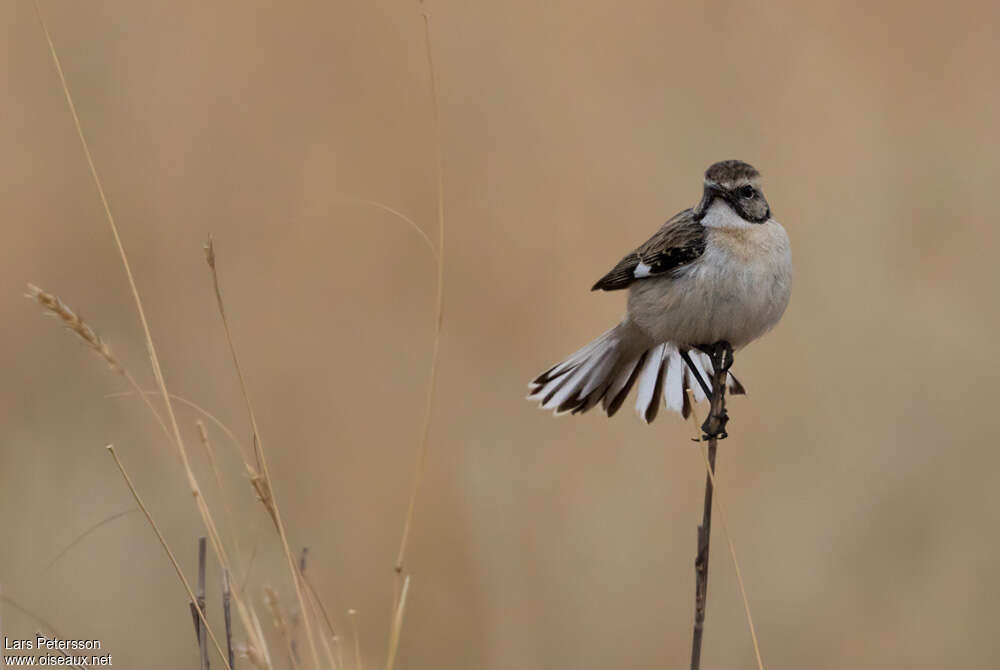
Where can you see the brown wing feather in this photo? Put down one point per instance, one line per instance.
(678, 242)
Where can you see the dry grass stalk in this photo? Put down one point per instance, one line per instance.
(713, 426)
(37, 618)
(725, 528)
(263, 483)
(150, 347)
(200, 627)
(230, 435)
(256, 650)
(397, 215)
(421, 464)
(397, 625)
(75, 323)
(249, 652)
(319, 611)
(281, 624)
(170, 554)
(227, 511)
(92, 339)
(358, 665)
(82, 536)
(227, 615)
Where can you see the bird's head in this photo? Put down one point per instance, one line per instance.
(738, 184)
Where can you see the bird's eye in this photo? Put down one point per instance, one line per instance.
(748, 192)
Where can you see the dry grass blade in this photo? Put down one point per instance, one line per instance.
(358, 665)
(174, 431)
(233, 440)
(170, 554)
(397, 625)
(37, 618)
(250, 653)
(421, 463)
(319, 611)
(281, 624)
(207, 445)
(79, 538)
(398, 215)
(262, 482)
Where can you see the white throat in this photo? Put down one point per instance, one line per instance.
(721, 215)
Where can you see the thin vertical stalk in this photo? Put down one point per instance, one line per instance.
(227, 615)
(150, 347)
(170, 554)
(701, 562)
(202, 642)
(716, 425)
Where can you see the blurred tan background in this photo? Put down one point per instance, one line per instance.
(859, 480)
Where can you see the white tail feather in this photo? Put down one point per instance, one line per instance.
(673, 380)
(604, 371)
(648, 381)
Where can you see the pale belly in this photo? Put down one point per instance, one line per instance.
(736, 291)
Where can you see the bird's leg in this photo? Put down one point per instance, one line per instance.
(721, 354)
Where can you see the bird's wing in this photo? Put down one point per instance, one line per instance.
(678, 242)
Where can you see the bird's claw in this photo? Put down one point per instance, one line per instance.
(714, 426)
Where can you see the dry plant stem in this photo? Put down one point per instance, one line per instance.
(37, 618)
(701, 563)
(234, 441)
(170, 554)
(736, 564)
(202, 643)
(357, 639)
(397, 214)
(438, 317)
(319, 611)
(82, 536)
(397, 625)
(281, 624)
(718, 408)
(150, 348)
(207, 444)
(76, 324)
(261, 458)
(227, 615)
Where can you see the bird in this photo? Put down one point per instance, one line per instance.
(717, 274)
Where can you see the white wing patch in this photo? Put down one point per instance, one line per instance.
(642, 270)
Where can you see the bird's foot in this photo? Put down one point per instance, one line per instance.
(714, 426)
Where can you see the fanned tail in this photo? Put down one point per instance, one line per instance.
(606, 370)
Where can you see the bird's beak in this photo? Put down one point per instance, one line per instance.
(711, 193)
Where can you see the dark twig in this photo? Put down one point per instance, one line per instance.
(714, 427)
(314, 596)
(199, 621)
(227, 595)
